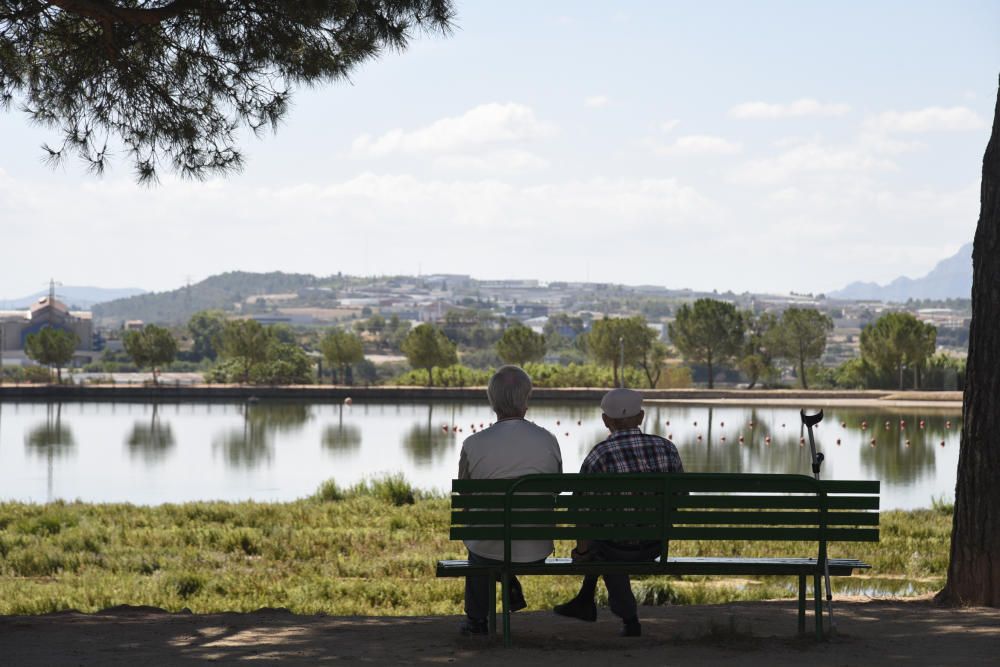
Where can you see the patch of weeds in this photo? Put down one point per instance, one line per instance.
(186, 585)
(329, 492)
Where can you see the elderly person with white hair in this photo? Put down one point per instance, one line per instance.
(509, 448)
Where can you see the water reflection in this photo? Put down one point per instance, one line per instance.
(427, 443)
(150, 441)
(283, 449)
(342, 438)
(51, 439)
(252, 444)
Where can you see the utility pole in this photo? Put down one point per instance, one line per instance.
(621, 361)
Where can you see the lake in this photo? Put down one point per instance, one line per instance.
(276, 451)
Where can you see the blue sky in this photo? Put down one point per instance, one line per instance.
(767, 146)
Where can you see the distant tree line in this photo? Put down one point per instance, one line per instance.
(710, 339)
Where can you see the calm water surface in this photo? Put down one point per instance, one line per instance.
(147, 454)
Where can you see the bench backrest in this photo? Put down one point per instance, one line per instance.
(666, 507)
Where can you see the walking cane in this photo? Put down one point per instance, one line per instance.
(817, 461)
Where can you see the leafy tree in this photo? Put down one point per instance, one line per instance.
(153, 346)
(341, 349)
(708, 332)
(897, 340)
(173, 81)
(652, 360)
(52, 347)
(519, 345)
(205, 328)
(801, 337)
(562, 329)
(396, 331)
(617, 342)
(426, 347)
(757, 362)
(245, 343)
(284, 363)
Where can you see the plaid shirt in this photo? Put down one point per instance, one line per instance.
(631, 450)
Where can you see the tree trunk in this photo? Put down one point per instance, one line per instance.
(711, 372)
(974, 568)
(802, 373)
(430, 376)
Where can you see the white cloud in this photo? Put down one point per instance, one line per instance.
(669, 125)
(931, 119)
(514, 160)
(597, 101)
(798, 108)
(809, 158)
(700, 144)
(484, 125)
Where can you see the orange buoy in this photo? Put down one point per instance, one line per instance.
(723, 438)
(942, 443)
(907, 443)
(348, 401)
(843, 424)
(838, 442)
(699, 436)
(722, 424)
(696, 423)
(577, 422)
(668, 422)
(947, 424)
(873, 442)
(557, 422)
(567, 434)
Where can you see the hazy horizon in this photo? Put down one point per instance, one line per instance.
(772, 147)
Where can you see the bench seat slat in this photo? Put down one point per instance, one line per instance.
(542, 501)
(774, 534)
(775, 518)
(546, 517)
(717, 518)
(555, 533)
(675, 566)
(775, 502)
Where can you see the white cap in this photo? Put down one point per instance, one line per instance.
(621, 403)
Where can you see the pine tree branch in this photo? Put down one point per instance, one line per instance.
(107, 12)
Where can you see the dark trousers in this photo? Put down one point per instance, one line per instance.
(619, 586)
(477, 589)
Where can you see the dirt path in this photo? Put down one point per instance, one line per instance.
(905, 632)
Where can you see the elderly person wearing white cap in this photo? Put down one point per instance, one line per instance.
(512, 447)
(626, 450)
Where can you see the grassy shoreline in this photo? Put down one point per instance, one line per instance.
(363, 551)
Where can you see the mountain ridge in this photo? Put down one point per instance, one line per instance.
(951, 278)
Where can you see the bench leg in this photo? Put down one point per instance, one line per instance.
(819, 608)
(802, 604)
(491, 619)
(505, 602)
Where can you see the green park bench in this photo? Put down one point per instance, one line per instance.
(796, 510)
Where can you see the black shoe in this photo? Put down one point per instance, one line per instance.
(585, 610)
(471, 628)
(632, 628)
(517, 601)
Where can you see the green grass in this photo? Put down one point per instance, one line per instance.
(367, 550)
